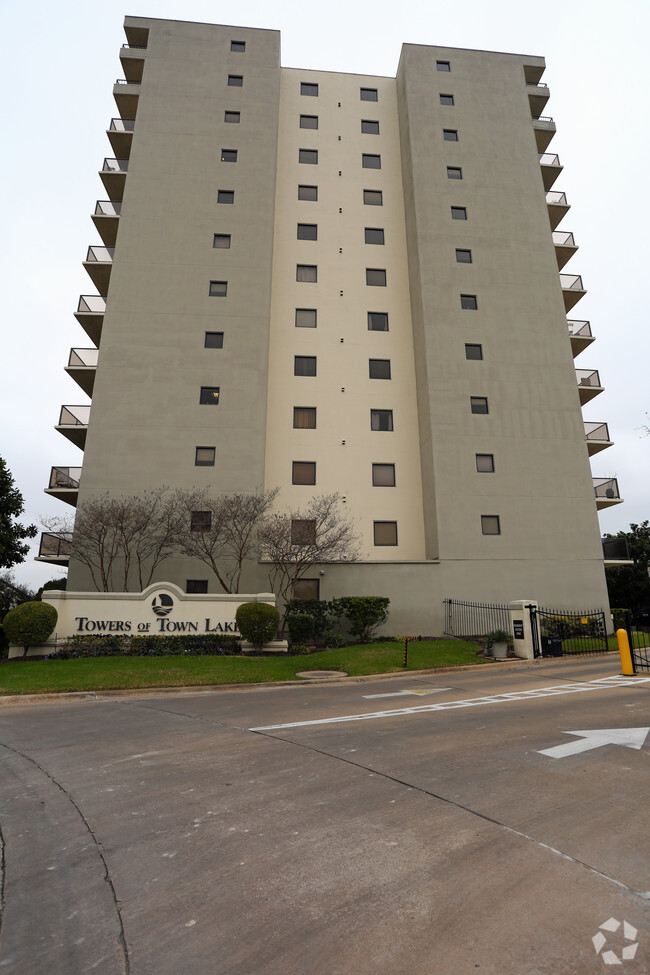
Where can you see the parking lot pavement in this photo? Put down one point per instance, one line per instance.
(352, 832)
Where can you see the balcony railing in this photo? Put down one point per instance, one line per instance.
(588, 377)
(64, 477)
(108, 208)
(83, 357)
(126, 81)
(112, 165)
(135, 47)
(74, 416)
(102, 254)
(606, 488)
(615, 549)
(579, 329)
(54, 546)
(596, 431)
(536, 84)
(563, 239)
(122, 125)
(549, 159)
(95, 304)
(554, 198)
(571, 282)
(542, 118)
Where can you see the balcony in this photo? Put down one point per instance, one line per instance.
(550, 167)
(538, 96)
(82, 366)
(126, 94)
(98, 263)
(64, 484)
(616, 552)
(120, 136)
(597, 437)
(73, 424)
(54, 549)
(137, 37)
(588, 384)
(606, 491)
(113, 176)
(565, 247)
(580, 334)
(572, 290)
(558, 207)
(544, 127)
(90, 315)
(132, 61)
(106, 220)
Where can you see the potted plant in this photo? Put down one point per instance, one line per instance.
(497, 641)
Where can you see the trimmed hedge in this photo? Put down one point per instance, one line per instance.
(202, 644)
(257, 622)
(30, 624)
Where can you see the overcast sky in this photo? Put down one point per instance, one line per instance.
(61, 58)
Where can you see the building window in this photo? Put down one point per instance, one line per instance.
(304, 365)
(307, 231)
(308, 89)
(369, 126)
(459, 213)
(229, 155)
(379, 368)
(306, 589)
(306, 317)
(381, 420)
(468, 302)
(201, 521)
(303, 531)
(373, 198)
(374, 235)
(385, 532)
(473, 351)
(377, 321)
(303, 472)
(463, 256)
(225, 196)
(309, 121)
(238, 46)
(232, 117)
(478, 404)
(450, 135)
(209, 396)
(307, 192)
(443, 66)
(490, 525)
(304, 417)
(369, 95)
(370, 161)
(235, 80)
(306, 272)
(196, 586)
(383, 475)
(308, 156)
(485, 463)
(376, 277)
(446, 99)
(204, 456)
(221, 240)
(213, 340)
(218, 289)
(454, 172)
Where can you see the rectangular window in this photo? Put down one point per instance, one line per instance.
(196, 586)
(307, 231)
(306, 317)
(459, 213)
(454, 172)
(463, 256)
(235, 80)
(309, 121)
(376, 277)
(377, 321)
(373, 198)
(200, 521)
(385, 532)
(306, 589)
(238, 46)
(370, 161)
(443, 66)
(303, 472)
(225, 196)
(450, 135)
(303, 531)
(229, 155)
(369, 126)
(304, 417)
(369, 95)
(304, 365)
(478, 404)
(218, 289)
(232, 117)
(374, 235)
(381, 420)
(383, 475)
(473, 351)
(468, 302)
(308, 89)
(308, 156)
(209, 396)
(213, 340)
(307, 192)
(379, 368)
(204, 456)
(490, 524)
(446, 99)
(306, 272)
(485, 463)
(221, 240)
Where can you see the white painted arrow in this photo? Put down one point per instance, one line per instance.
(628, 737)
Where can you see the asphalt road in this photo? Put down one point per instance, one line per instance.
(324, 830)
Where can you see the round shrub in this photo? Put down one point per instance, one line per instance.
(257, 622)
(30, 624)
(301, 627)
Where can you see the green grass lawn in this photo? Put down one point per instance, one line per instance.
(110, 673)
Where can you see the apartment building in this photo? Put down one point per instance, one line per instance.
(331, 282)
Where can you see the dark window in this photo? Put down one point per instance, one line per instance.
(377, 321)
(381, 420)
(307, 192)
(308, 89)
(213, 340)
(370, 161)
(306, 272)
(446, 99)
(232, 116)
(473, 351)
(376, 276)
(229, 155)
(204, 456)
(490, 524)
(373, 198)
(383, 475)
(304, 365)
(196, 586)
(454, 172)
(459, 213)
(309, 121)
(485, 463)
(306, 589)
(309, 156)
(303, 531)
(478, 404)
(369, 95)
(468, 302)
(443, 66)
(209, 396)
(307, 231)
(369, 126)
(374, 235)
(303, 472)
(463, 256)
(306, 317)
(385, 532)
(238, 46)
(379, 368)
(218, 289)
(225, 196)
(450, 135)
(304, 417)
(221, 240)
(201, 521)
(235, 80)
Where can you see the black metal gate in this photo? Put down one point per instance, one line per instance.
(638, 633)
(567, 633)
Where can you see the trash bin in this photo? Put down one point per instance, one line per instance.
(551, 646)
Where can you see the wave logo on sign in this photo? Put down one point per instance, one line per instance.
(162, 605)
(629, 934)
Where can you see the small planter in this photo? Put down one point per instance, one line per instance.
(496, 643)
(499, 651)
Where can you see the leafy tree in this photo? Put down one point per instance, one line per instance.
(364, 613)
(629, 585)
(11, 533)
(30, 624)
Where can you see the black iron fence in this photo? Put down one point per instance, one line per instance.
(474, 620)
(638, 633)
(563, 633)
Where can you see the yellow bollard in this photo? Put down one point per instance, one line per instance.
(626, 657)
